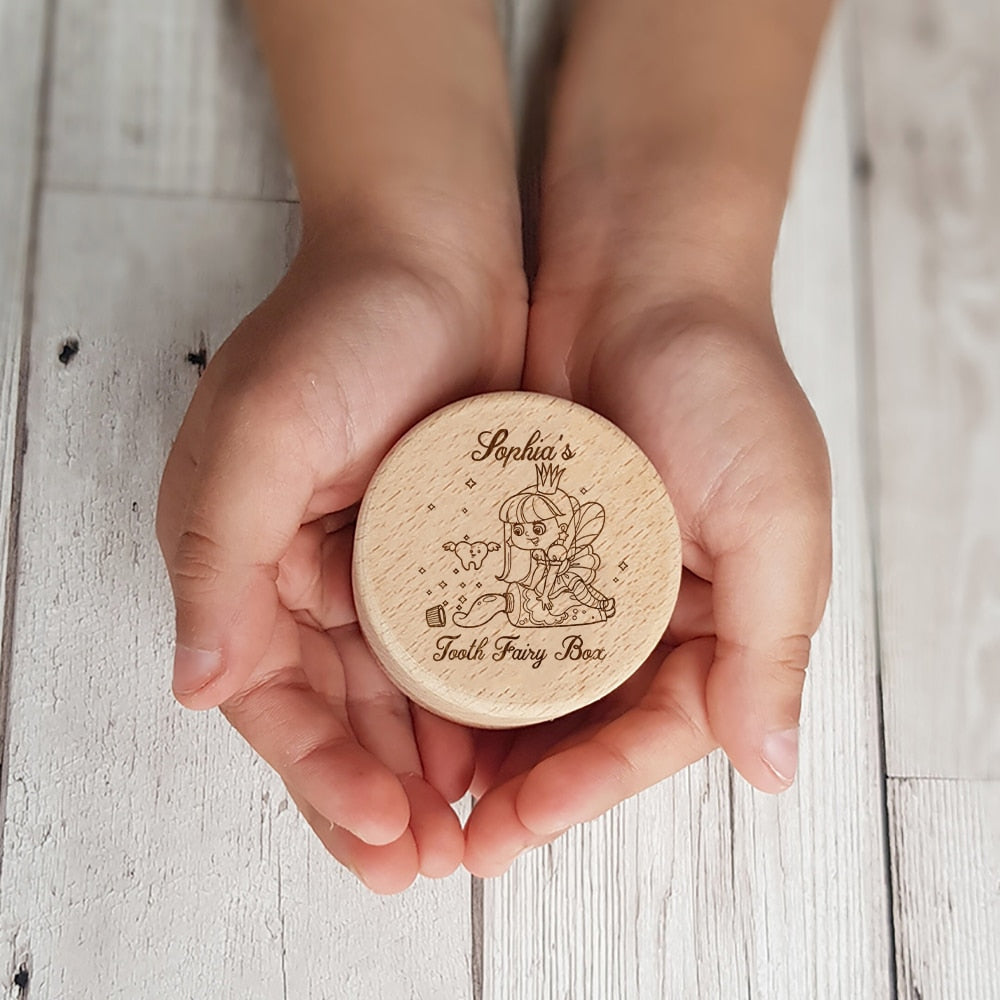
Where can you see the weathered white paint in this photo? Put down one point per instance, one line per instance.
(931, 86)
(146, 851)
(164, 98)
(946, 880)
(22, 29)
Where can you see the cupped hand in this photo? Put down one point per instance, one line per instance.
(703, 387)
(363, 337)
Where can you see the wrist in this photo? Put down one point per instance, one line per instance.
(675, 233)
(676, 257)
(467, 272)
(671, 142)
(460, 224)
(620, 340)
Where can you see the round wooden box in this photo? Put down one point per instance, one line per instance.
(516, 557)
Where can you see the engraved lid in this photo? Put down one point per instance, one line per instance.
(516, 557)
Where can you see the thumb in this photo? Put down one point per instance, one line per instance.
(769, 594)
(224, 521)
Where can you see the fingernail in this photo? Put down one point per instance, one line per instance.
(194, 668)
(781, 754)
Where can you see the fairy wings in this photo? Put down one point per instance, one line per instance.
(586, 523)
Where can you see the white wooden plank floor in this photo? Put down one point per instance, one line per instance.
(146, 852)
(935, 253)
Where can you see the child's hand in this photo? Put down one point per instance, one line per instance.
(361, 339)
(659, 220)
(708, 396)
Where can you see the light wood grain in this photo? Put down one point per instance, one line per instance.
(516, 558)
(146, 850)
(935, 262)
(165, 98)
(21, 56)
(946, 874)
(702, 887)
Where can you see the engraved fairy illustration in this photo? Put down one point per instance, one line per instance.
(549, 562)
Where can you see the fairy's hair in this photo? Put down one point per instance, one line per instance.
(530, 506)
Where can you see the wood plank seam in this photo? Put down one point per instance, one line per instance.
(164, 194)
(21, 345)
(867, 417)
(476, 938)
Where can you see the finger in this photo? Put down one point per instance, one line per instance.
(446, 752)
(497, 837)
(380, 719)
(434, 832)
(532, 743)
(314, 576)
(435, 828)
(379, 713)
(494, 833)
(305, 736)
(503, 754)
(223, 524)
(385, 869)
(529, 745)
(769, 598)
(666, 731)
